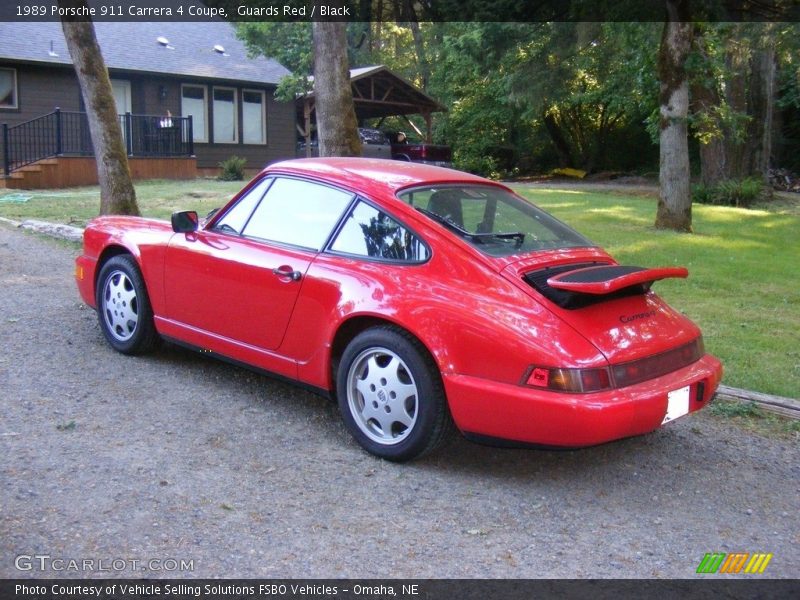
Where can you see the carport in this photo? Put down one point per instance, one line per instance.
(377, 93)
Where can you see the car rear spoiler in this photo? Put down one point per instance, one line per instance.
(608, 279)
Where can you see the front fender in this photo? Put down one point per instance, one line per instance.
(144, 239)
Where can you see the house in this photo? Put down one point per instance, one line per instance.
(161, 74)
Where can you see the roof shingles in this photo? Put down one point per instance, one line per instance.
(134, 47)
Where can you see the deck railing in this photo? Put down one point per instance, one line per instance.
(66, 133)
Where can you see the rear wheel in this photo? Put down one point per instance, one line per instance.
(123, 307)
(391, 395)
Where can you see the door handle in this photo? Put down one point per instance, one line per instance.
(287, 271)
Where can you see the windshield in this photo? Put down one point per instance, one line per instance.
(493, 220)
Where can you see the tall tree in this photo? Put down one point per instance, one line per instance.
(708, 109)
(337, 128)
(786, 147)
(733, 89)
(674, 198)
(117, 194)
(287, 42)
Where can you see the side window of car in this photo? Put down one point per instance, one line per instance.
(370, 232)
(235, 219)
(299, 213)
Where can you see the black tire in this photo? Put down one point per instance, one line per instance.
(391, 395)
(123, 307)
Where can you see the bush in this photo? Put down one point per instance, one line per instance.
(474, 163)
(731, 192)
(232, 169)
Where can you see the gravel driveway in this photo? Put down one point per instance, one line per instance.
(176, 457)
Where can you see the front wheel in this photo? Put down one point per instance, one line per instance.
(391, 395)
(123, 307)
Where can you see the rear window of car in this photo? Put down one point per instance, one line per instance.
(495, 221)
(372, 233)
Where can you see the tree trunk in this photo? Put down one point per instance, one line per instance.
(419, 44)
(708, 129)
(750, 93)
(762, 96)
(713, 149)
(337, 129)
(737, 65)
(675, 200)
(117, 195)
(563, 150)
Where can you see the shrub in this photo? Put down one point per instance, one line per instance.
(701, 194)
(731, 192)
(232, 169)
(474, 162)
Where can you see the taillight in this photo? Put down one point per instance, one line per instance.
(583, 381)
(580, 381)
(659, 364)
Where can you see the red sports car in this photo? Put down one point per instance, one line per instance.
(419, 297)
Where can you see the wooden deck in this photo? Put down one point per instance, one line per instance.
(64, 172)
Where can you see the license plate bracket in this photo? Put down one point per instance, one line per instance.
(677, 404)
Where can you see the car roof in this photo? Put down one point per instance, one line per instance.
(374, 175)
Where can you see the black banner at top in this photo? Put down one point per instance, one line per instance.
(394, 10)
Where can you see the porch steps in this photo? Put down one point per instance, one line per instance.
(64, 172)
(41, 174)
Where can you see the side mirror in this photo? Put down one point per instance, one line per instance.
(185, 221)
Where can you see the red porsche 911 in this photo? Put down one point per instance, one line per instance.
(419, 297)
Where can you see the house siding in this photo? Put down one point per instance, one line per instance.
(39, 91)
(43, 88)
(280, 127)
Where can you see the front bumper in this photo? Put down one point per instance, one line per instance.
(485, 408)
(84, 278)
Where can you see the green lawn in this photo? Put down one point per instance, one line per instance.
(157, 198)
(743, 287)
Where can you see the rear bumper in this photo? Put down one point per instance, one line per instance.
(485, 408)
(435, 163)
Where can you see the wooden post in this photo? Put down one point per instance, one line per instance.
(59, 135)
(307, 124)
(191, 136)
(128, 134)
(6, 152)
(429, 127)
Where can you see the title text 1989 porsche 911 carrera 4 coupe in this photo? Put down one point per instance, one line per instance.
(419, 297)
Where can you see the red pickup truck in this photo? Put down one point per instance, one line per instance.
(430, 154)
(379, 144)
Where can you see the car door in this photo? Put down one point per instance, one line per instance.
(240, 277)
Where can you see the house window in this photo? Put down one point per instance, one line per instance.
(254, 117)
(194, 103)
(8, 88)
(225, 121)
